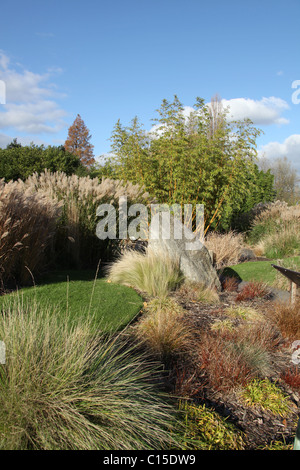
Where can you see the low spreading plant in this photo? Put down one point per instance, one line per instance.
(266, 395)
(245, 313)
(204, 429)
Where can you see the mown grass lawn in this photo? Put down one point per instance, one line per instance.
(258, 270)
(112, 305)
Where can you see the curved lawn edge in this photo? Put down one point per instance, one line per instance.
(113, 306)
(256, 270)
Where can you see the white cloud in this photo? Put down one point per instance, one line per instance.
(289, 148)
(266, 111)
(30, 101)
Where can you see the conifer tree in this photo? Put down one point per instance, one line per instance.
(78, 142)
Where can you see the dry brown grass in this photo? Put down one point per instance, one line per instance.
(278, 210)
(277, 230)
(192, 291)
(81, 196)
(227, 247)
(287, 319)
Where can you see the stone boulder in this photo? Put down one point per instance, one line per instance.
(194, 258)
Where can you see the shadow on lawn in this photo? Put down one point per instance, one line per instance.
(229, 272)
(71, 275)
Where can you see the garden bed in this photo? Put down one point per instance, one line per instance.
(261, 428)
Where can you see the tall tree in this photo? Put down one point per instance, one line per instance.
(78, 142)
(286, 178)
(200, 158)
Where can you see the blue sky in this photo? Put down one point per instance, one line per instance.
(110, 60)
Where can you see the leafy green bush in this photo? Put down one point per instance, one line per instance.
(17, 161)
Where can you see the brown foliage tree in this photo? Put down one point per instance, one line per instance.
(78, 142)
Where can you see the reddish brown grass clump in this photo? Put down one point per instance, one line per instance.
(287, 319)
(252, 290)
(292, 377)
(230, 284)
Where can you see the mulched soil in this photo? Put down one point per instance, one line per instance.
(260, 427)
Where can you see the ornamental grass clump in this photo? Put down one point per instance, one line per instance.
(275, 232)
(162, 330)
(155, 274)
(226, 247)
(64, 388)
(76, 237)
(27, 227)
(205, 429)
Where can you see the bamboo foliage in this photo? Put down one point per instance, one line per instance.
(195, 158)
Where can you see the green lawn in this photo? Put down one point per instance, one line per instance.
(113, 305)
(259, 270)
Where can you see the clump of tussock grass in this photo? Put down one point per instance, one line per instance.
(155, 274)
(275, 232)
(286, 317)
(223, 325)
(227, 247)
(197, 292)
(162, 329)
(205, 429)
(245, 313)
(65, 388)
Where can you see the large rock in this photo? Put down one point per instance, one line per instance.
(194, 258)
